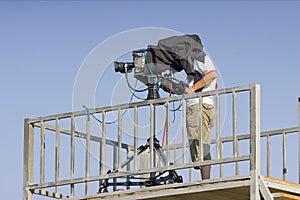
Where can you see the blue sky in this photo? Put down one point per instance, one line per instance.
(43, 44)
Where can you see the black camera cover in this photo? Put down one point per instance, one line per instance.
(175, 53)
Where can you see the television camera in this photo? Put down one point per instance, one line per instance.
(156, 65)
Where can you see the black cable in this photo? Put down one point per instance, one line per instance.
(140, 98)
(135, 90)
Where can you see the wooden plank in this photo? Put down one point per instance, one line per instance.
(281, 181)
(285, 196)
(224, 194)
(208, 191)
(280, 185)
(237, 185)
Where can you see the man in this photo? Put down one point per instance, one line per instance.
(204, 80)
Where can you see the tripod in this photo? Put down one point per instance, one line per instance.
(153, 179)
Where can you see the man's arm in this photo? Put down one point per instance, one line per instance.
(207, 79)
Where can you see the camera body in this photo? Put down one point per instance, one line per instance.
(156, 65)
(151, 74)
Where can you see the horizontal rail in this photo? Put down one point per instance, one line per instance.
(245, 136)
(172, 146)
(84, 136)
(138, 172)
(140, 104)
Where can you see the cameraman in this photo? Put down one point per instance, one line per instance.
(205, 80)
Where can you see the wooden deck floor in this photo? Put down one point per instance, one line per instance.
(218, 189)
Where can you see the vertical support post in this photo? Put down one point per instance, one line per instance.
(284, 169)
(119, 139)
(57, 149)
(190, 171)
(168, 133)
(135, 137)
(254, 141)
(102, 150)
(87, 153)
(175, 156)
(299, 139)
(152, 130)
(103, 144)
(28, 159)
(235, 142)
(115, 165)
(42, 154)
(184, 131)
(218, 139)
(200, 129)
(72, 161)
(268, 155)
(221, 156)
(128, 167)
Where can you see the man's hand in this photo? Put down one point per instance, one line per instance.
(189, 90)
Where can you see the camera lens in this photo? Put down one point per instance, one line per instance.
(121, 66)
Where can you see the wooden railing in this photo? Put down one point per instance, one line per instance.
(68, 154)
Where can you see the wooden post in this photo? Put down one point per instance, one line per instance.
(299, 138)
(57, 150)
(254, 141)
(234, 130)
(28, 159)
(72, 160)
(87, 153)
(184, 131)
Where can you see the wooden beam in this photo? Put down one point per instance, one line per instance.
(254, 141)
(28, 159)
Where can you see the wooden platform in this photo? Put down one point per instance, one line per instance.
(217, 189)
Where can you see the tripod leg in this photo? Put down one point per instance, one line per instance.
(140, 150)
(160, 154)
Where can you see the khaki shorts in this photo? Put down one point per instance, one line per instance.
(193, 129)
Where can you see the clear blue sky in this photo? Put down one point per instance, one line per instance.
(43, 44)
